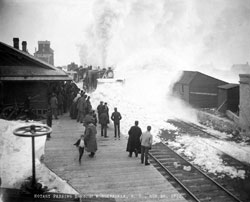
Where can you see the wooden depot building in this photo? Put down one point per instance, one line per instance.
(22, 75)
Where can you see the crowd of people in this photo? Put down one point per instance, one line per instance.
(77, 102)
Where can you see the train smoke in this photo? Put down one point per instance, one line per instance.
(188, 34)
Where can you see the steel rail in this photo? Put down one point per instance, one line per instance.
(193, 126)
(172, 175)
(216, 183)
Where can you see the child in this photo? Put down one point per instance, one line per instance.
(80, 145)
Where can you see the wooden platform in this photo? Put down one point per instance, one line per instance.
(111, 174)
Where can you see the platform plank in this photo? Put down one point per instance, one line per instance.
(111, 173)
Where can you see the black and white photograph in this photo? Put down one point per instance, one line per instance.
(125, 100)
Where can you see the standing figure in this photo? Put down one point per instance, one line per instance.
(54, 105)
(60, 103)
(80, 145)
(81, 108)
(49, 120)
(88, 119)
(104, 123)
(116, 117)
(100, 109)
(90, 139)
(74, 106)
(94, 116)
(88, 107)
(146, 143)
(134, 143)
(106, 108)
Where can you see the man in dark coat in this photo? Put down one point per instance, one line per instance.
(95, 118)
(90, 139)
(134, 143)
(116, 117)
(54, 105)
(81, 104)
(104, 119)
(106, 108)
(100, 109)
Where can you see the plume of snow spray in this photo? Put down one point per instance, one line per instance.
(150, 42)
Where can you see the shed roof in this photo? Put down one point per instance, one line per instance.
(229, 86)
(18, 65)
(188, 76)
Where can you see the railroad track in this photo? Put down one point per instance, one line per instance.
(193, 129)
(195, 184)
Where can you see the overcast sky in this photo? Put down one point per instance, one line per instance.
(106, 32)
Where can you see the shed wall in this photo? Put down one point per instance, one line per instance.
(182, 91)
(244, 117)
(16, 92)
(204, 91)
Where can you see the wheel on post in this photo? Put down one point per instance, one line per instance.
(32, 131)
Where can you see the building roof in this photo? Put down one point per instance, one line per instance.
(188, 76)
(18, 65)
(229, 86)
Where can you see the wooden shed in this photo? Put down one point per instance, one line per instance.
(23, 75)
(198, 89)
(228, 97)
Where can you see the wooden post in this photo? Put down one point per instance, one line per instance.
(33, 163)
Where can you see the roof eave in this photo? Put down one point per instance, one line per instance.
(28, 78)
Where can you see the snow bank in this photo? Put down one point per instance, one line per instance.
(16, 159)
(200, 152)
(240, 151)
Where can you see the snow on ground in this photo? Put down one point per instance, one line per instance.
(16, 159)
(200, 152)
(239, 151)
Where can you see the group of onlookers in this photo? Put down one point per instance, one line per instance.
(80, 108)
(59, 100)
(88, 140)
(103, 117)
(139, 142)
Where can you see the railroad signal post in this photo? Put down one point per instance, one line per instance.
(33, 131)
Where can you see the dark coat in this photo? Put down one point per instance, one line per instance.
(104, 119)
(90, 138)
(134, 139)
(100, 109)
(116, 117)
(88, 119)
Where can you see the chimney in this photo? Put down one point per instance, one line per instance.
(24, 46)
(16, 43)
